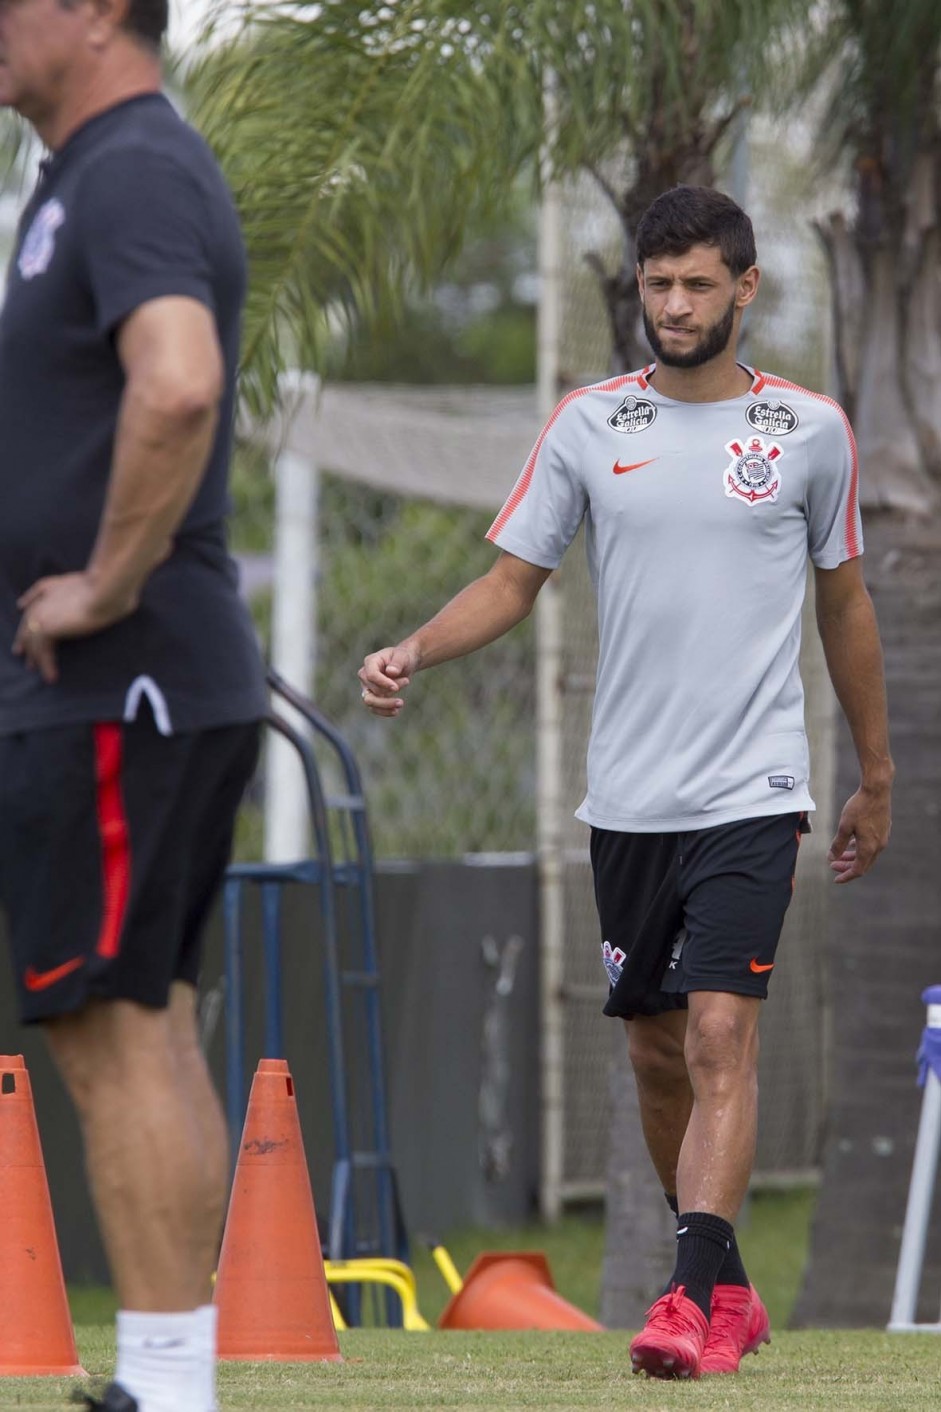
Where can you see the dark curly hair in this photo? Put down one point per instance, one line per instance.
(696, 215)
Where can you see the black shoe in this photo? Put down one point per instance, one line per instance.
(113, 1399)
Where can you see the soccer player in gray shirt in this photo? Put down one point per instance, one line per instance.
(704, 486)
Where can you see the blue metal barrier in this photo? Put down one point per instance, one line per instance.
(340, 871)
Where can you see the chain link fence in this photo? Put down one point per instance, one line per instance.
(455, 774)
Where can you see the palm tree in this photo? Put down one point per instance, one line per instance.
(882, 125)
(17, 149)
(361, 142)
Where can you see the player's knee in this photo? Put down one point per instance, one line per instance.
(721, 1042)
(657, 1057)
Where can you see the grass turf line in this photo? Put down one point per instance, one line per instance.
(866, 1371)
(861, 1370)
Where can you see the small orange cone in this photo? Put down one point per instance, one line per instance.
(36, 1335)
(271, 1290)
(512, 1292)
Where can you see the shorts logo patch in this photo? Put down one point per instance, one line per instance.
(39, 244)
(781, 781)
(613, 958)
(757, 969)
(754, 475)
(676, 953)
(634, 414)
(42, 980)
(772, 418)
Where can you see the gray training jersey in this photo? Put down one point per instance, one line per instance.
(699, 520)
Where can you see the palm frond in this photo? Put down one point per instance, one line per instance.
(881, 68)
(16, 142)
(357, 159)
(361, 140)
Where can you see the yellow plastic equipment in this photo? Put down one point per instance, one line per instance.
(396, 1275)
(447, 1267)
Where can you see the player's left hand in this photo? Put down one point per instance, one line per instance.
(66, 605)
(863, 832)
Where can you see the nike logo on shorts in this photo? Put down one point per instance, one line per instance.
(754, 966)
(42, 980)
(620, 470)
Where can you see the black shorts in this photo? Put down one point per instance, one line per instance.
(700, 910)
(114, 841)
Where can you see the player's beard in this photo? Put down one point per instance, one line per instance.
(714, 341)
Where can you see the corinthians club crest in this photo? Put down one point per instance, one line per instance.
(39, 245)
(754, 474)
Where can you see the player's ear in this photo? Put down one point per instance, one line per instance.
(747, 286)
(640, 277)
(108, 16)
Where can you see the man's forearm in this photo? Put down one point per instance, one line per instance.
(160, 454)
(479, 614)
(850, 638)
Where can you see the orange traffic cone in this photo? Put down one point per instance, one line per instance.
(271, 1290)
(512, 1292)
(36, 1335)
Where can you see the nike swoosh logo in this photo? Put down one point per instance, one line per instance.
(620, 470)
(754, 966)
(42, 980)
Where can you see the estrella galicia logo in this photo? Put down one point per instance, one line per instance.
(772, 418)
(634, 414)
(39, 244)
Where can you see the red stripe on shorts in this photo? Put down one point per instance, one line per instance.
(115, 837)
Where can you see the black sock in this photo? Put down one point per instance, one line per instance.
(703, 1242)
(732, 1271)
(674, 1206)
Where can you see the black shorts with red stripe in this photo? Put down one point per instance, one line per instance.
(699, 910)
(114, 840)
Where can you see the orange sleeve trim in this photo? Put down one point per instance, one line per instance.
(518, 494)
(852, 538)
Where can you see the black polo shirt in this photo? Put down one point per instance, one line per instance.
(132, 208)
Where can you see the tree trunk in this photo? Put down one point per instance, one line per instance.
(640, 1230)
(887, 340)
(883, 951)
(923, 350)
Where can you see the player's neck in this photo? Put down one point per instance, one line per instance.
(716, 381)
(94, 93)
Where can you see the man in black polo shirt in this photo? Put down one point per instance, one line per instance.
(131, 686)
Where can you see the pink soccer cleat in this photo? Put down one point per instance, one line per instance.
(671, 1343)
(739, 1325)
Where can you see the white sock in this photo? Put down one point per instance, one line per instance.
(162, 1360)
(208, 1316)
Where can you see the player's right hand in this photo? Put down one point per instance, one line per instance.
(385, 675)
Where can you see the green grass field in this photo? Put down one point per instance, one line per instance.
(383, 1368)
(387, 1369)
